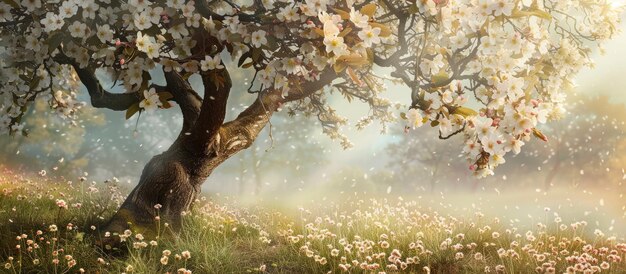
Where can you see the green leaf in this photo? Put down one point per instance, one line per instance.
(243, 58)
(256, 54)
(465, 112)
(413, 9)
(12, 3)
(439, 78)
(235, 38)
(54, 40)
(403, 116)
(132, 110)
(164, 96)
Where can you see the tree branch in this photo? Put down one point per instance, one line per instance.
(326, 77)
(212, 111)
(101, 98)
(241, 132)
(189, 101)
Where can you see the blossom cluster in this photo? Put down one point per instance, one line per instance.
(514, 59)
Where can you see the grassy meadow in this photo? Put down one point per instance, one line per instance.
(53, 226)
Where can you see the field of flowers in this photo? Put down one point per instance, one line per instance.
(53, 226)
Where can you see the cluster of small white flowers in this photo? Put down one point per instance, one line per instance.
(518, 70)
(514, 58)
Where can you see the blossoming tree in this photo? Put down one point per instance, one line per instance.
(489, 70)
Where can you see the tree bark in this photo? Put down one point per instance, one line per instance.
(173, 179)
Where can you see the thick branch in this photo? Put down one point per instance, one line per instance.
(213, 110)
(101, 98)
(326, 77)
(241, 132)
(184, 95)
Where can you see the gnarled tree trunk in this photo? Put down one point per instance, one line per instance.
(174, 178)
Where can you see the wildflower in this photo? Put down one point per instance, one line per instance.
(61, 204)
(186, 255)
(53, 228)
(605, 265)
(164, 260)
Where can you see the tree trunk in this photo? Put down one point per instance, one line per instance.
(170, 180)
(174, 178)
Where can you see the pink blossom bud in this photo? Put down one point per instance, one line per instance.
(122, 61)
(534, 102)
(472, 167)
(118, 43)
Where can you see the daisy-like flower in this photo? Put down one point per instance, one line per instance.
(360, 20)
(186, 254)
(491, 143)
(503, 7)
(143, 41)
(513, 144)
(433, 99)
(483, 127)
(139, 5)
(265, 78)
(151, 100)
(104, 33)
(61, 204)
(415, 118)
(31, 5)
(370, 36)
(178, 31)
(191, 66)
(211, 63)
(282, 83)
(335, 45)
(258, 38)
(77, 29)
(142, 21)
(152, 51)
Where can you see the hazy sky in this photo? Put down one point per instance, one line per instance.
(609, 74)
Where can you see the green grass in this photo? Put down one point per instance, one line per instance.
(358, 234)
